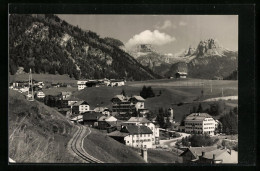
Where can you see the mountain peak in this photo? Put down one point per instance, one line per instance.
(209, 47)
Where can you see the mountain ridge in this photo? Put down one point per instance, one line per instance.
(48, 44)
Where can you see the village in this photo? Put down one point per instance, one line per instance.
(127, 120)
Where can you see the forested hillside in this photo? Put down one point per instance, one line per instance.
(47, 44)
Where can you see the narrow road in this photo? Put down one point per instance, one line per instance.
(76, 145)
(172, 142)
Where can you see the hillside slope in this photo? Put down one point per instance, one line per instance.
(37, 133)
(48, 44)
(109, 150)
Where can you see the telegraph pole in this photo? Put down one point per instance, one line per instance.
(30, 96)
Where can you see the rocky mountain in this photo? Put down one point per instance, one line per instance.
(208, 60)
(47, 44)
(146, 55)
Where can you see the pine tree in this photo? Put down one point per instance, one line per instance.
(200, 109)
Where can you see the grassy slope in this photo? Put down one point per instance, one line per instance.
(172, 93)
(37, 133)
(109, 150)
(49, 78)
(156, 156)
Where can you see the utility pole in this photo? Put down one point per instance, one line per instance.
(30, 96)
(211, 86)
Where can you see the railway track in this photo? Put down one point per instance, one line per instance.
(77, 147)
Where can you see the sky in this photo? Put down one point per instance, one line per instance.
(169, 34)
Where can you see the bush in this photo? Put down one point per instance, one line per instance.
(198, 140)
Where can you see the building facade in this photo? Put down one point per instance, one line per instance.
(80, 107)
(145, 122)
(81, 85)
(124, 104)
(200, 123)
(40, 95)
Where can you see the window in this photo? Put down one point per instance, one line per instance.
(127, 141)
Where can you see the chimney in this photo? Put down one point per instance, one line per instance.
(214, 157)
(144, 154)
(203, 153)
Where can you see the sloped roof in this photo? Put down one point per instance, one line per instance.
(66, 93)
(91, 116)
(80, 103)
(197, 151)
(117, 134)
(140, 119)
(138, 98)
(133, 130)
(100, 109)
(72, 98)
(102, 118)
(121, 97)
(217, 152)
(197, 116)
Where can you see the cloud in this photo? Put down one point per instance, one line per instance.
(166, 24)
(149, 37)
(182, 23)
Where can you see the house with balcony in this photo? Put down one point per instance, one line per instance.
(141, 121)
(134, 136)
(123, 104)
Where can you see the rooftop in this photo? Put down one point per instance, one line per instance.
(197, 151)
(197, 116)
(133, 130)
(138, 119)
(91, 115)
(117, 134)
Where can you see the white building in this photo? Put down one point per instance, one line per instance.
(80, 107)
(114, 83)
(40, 94)
(145, 122)
(81, 85)
(199, 123)
(133, 136)
(65, 95)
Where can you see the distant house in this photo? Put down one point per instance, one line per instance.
(181, 75)
(209, 155)
(104, 122)
(115, 83)
(71, 100)
(134, 136)
(65, 95)
(80, 107)
(40, 95)
(81, 85)
(219, 156)
(192, 154)
(200, 123)
(104, 110)
(91, 118)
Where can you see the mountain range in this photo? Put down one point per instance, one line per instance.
(208, 60)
